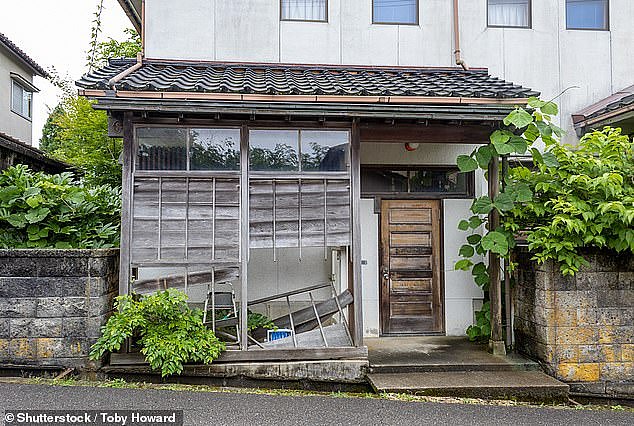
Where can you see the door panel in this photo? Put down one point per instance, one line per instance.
(411, 293)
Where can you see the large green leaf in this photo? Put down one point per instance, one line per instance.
(474, 239)
(550, 160)
(466, 163)
(37, 215)
(482, 205)
(463, 265)
(519, 144)
(463, 225)
(495, 242)
(483, 156)
(466, 251)
(504, 202)
(521, 192)
(550, 108)
(504, 148)
(500, 136)
(519, 118)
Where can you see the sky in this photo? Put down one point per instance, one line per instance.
(57, 33)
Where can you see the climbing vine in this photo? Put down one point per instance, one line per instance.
(568, 199)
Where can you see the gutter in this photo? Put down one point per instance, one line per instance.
(456, 37)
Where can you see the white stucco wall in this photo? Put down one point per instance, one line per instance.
(11, 123)
(547, 57)
(460, 290)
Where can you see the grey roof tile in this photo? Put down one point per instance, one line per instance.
(23, 56)
(283, 79)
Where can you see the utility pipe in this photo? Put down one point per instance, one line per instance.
(456, 37)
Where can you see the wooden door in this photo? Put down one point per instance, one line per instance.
(410, 273)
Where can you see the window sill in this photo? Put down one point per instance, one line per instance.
(29, 119)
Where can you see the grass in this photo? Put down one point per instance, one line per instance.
(122, 384)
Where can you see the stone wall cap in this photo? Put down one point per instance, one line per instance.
(40, 253)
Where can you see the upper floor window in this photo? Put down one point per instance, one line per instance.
(21, 100)
(304, 10)
(587, 14)
(395, 12)
(509, 13)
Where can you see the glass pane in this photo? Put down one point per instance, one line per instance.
(274, 150)
(16, 98)
(324, 151)
(304, 10)
(395, 11)
(27, 97)
(215, 149)
(381, 180)
(587, 14)
(438, 181)
(161, 149)
(509, 13)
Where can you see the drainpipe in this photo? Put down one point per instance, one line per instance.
(456, 37)
(117, 78)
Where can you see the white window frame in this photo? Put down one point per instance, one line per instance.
(27, 96)
(528, 26)
(325, 20)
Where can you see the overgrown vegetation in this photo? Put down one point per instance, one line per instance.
(571, 198)
(38, 210)
(169, 332)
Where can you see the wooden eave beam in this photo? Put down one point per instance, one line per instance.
(432, 133)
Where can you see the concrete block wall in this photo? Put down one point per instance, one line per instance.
(581, 328)
(53, 304)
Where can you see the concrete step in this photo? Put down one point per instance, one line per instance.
(532, 386)
(419, 364)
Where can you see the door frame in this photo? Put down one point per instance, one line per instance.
(441, 263)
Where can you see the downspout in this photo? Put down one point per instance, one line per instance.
(117, 78)
(456, 37)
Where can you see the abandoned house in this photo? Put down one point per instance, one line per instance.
(299, 157)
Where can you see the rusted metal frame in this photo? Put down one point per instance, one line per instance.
(127, 184)
(290, 318)
(287, 294)
(244, 235)
(355, 195)
(342, 316)
(321, 327)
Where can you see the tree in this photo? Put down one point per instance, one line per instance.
(78, 134)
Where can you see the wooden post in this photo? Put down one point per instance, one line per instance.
(126, 204)
(508, 336)
(244, 234)
(355, 196)
(496, 344)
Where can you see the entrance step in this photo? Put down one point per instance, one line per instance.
(532, 386)
(449, 363)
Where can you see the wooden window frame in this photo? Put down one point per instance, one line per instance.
(519, 27)
(469, 194)
(607, 19)
(417, 23)
(322, 21)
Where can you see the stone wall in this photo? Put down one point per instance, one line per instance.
(53, 304)
(581, 328)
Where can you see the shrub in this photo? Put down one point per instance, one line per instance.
(38, 210)
(170, 332)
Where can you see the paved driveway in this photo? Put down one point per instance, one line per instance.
(204, 408)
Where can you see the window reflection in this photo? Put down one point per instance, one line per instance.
(376, 180)
(161, 149)
(324, 151)
(274, 150)
(215, 149)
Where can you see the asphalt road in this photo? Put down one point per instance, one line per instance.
(203, 408)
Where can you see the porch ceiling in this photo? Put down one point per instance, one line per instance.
(335, 83)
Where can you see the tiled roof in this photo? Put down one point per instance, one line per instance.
(283, 79)
(619, 100)
(23, 56)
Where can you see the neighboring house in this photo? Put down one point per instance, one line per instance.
(616, 110)
(281, 144)
(17, 71)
